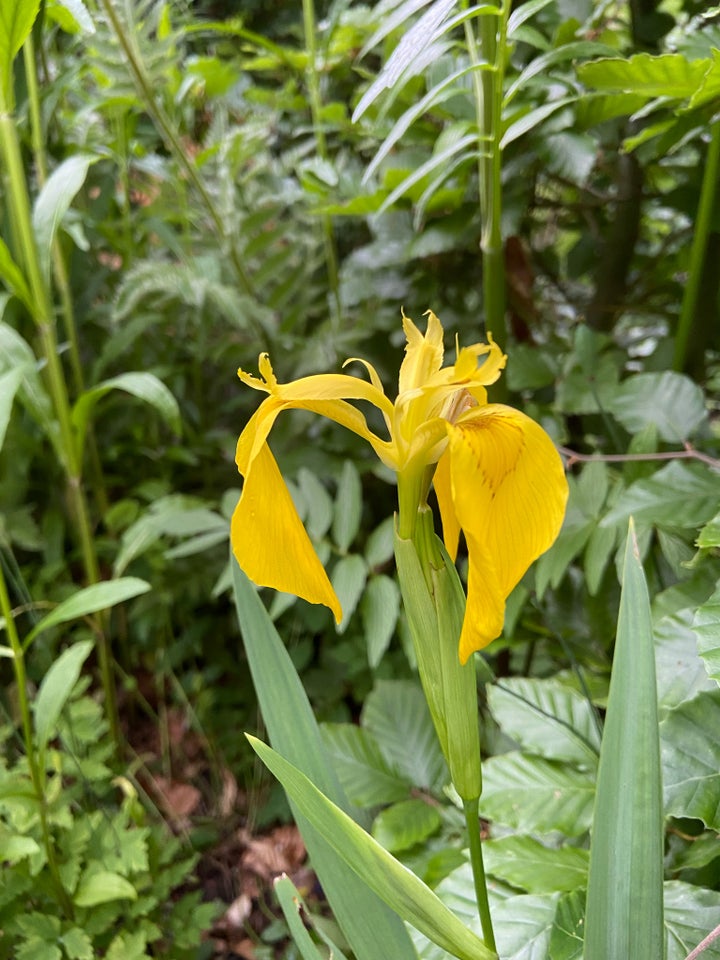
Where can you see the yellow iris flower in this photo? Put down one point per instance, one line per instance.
(496, 473)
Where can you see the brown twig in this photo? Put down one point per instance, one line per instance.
(710, 938)
(689, 453)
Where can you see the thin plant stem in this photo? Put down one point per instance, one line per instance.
(62, 281)
(36, 774)
(64, 436)
(689, 453)
(472, 822)
(698, 248)
(313, 84)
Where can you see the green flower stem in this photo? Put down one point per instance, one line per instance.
(36, 774)
(65, 442)
(472, 822)
(172, 141)
(313, 84)
(699, 247)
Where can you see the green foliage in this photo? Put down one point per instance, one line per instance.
(195, 192)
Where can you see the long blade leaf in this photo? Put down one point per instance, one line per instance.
(370, 927)
(625, 887)
(393, 882)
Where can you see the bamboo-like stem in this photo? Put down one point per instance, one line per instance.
(36, 774)
(488, 91)
(313, 85)
(698, 248)
(472, 822)
(64, 439)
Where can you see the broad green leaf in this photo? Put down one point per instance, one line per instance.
(547, 719)
(437, 161)
(16, 846)
(395, 712)
(77, 944)
(531, 119)
(527, 864)
(363, 771)
(72, 15)
(679, 495)
(144, 386)
(525, 926)
(681, 673)
(407, 895)
(172, 516)
(709, 89)
(9, 383)
(668, 75)
(16, 20)
(379, 608)
(624, 900)
(709, 536)
(291, 904)
(348, 507)
(13, 277)
(98, 596)
(379, 546)
(594, 109)
(16, 353)
(292, 728)
(707, 631)
(669, 400)
(404, 824)
(55, 690)
(348, 579)
(690, 914)
(535, 795)
(318, 502)
(691, 759)
(539, 66)
(54, 201)
(102, 887)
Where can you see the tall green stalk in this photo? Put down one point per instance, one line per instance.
(489, 60)
(65, 444)
(36, 774)
(698, 249)
(313, 84)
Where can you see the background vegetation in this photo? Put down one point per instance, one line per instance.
(183, 188)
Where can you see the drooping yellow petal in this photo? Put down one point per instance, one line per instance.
(260, 424)
(509, 492)
(443, 491)
(270, 542)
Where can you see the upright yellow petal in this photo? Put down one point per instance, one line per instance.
(509, 492)
(270, 542)
(423, 353)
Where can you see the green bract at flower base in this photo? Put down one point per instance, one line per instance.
(496, 473)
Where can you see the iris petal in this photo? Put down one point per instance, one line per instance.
(269, 541)
(509, 493)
